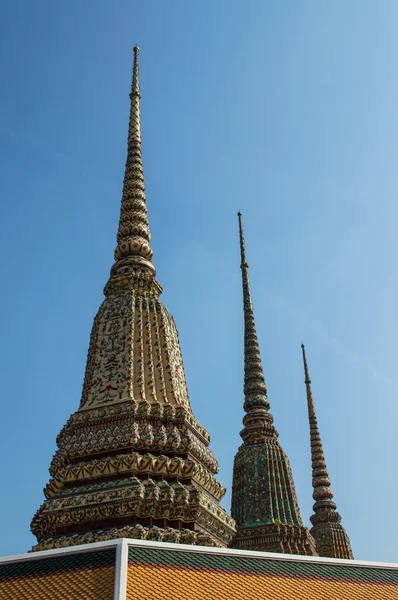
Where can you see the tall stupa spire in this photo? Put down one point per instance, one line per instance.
(133, 461)
(330, 536)
(264, 503)
(133, 237)
(255, 389)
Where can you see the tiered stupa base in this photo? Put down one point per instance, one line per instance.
(138, 532)
(270, 538)
(331, 538)
(264, 503)
(135, 470)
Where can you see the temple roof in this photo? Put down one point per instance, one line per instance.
(136, 569)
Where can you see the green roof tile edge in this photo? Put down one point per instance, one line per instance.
(57, 564)
(257, 566)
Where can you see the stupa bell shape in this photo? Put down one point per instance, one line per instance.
(133, 461)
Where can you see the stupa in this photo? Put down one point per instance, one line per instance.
(133, 461)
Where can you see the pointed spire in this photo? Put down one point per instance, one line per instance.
(320, 476)
(255, 389)
(133, 236)
(330, 536)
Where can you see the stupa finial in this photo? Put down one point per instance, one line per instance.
(306, 373)
(135, 86)
(242, 242)
(133, 237)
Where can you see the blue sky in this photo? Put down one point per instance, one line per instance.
(285, 111)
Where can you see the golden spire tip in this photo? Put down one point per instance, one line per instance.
(136, 49)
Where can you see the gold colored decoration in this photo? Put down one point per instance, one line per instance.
(136, 463)
(155, 534)
(134, 354)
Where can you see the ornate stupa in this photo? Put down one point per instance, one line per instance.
(330, 536)
(264, 503)
(133, 461)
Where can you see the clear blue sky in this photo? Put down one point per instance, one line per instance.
(287, 111)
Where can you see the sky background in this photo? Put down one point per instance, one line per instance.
(287, 111)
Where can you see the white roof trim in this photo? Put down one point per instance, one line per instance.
(122, 559)
(60, 551)
(261, 555)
